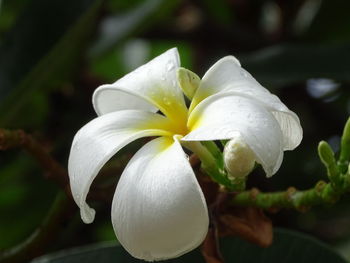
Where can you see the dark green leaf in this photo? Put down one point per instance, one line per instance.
(9, 12)
(288, 247)
(331, 23)
(280, 65)
(42, 50)
(114, 63)
(220, 10)
(20, 199)
(120, 26)
(105, 253)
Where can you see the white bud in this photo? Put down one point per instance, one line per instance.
(239, 159)
(188, 81)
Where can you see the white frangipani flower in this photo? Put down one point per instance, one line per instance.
(158, 209)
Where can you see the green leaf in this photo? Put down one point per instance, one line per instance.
(114, 64)
(288, 247)
(105, 253)
(9, 12)
(331, 23)
(42, 50)
(220, 10)
(289, 64)
(344, 157)
(17, 193)
(120, 26)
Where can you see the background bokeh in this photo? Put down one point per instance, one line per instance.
(53, 54)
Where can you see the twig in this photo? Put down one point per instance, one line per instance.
(322, 193)
(36, 243)
(63, 206)
(19, 139)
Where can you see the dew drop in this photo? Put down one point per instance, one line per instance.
(243, 73)
(166, 101)
(169, 66)
(76, 146)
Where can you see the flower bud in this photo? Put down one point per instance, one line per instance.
(188, 81)
(239, 159)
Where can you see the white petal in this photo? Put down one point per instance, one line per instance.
(291, 129)
(224, 116)
(226, 75)
(150, 87)
(159, 210)
(99, 140)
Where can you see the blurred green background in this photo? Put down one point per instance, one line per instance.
(53, 54)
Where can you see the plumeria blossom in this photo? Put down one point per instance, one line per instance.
(159, 210)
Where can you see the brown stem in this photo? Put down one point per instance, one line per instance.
(39, 240)
(19, 139)
(63, 207)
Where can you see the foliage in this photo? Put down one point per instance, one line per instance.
(53, 54)
(289, 247)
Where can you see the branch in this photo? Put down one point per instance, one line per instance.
(10, 139)
(19, 139)
(63, 206)
(323, 193)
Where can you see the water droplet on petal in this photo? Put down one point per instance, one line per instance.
(166, 101)
(169, 66)
(76, 146)
(187, 157)
(243, 73)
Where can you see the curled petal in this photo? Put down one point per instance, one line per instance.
(159, 210)
(150, 87)
(291, 129)
(224, 116)
(227, 75)
(99, 140)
